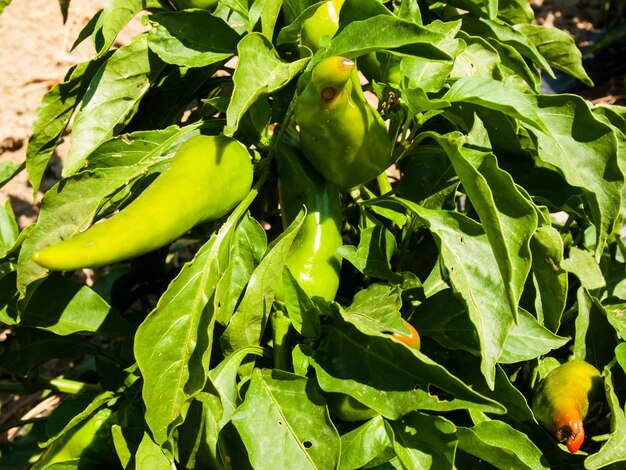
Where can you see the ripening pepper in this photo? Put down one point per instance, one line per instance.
(562, 401)
(323, 24)
(412, 339)
(312, 259)
(207, 178)
(341, 135)
(88, 445)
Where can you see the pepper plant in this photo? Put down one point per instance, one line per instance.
(494, 232)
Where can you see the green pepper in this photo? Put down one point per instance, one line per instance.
(312, 259)
(202, 4)
(562, 401)
(208, 176)
(348, 408)
(341, 135)
(88, 445)
(322, 26)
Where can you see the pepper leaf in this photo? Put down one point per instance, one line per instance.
(260, 71)
(284, 423)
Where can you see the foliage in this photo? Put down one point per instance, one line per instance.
(496, 235)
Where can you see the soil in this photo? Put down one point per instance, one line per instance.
(36, 53)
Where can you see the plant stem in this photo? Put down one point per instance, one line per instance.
(71, 387)
(280, 326)
(383, 184)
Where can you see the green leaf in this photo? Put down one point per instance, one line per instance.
(502, 446)
(582, 264)
(376, 247)
(616, 315)
(303, 313)
(376, 310)
(515, 11)
(387, 376)
(620, 354)
(63, 307)
(182, 325)
(584, 151)
(507, 35)
(8, 170)
(435, 41)
(247, 248)
(73, 204)
(444, 317)
(115, 15)
(53, 114)
(3, 5)
(498, 96)
(595, 338)
(528, 340)
(559, 49)
(113, 98)
(191, 38)
(550, 279)
(424, 441)
(248, 323)
(363, 444)
(260, 71)
(284, 423)
(9, 230)
(508, 218)
(474, 274)
(150, 455)
(613, 450)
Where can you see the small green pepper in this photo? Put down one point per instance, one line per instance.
(322, 26)
(562, 401)
(341, 135)
(208, 176)
(88, 445)
(312, 259)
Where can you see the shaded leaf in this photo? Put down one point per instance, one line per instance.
(424, 441)
(191, 38)
(63, 307)
(614, 449)
(549, 277)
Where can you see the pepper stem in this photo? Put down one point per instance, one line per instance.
(280, 327)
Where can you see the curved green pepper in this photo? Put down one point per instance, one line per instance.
(208, 176)
(562, 401)
(90, 442)
(312, 259)
(202, 4)
(341, 135)
(323, 24)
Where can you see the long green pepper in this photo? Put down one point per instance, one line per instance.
(312, 259)
(207, 178)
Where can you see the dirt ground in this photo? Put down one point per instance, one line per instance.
(36, 53)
